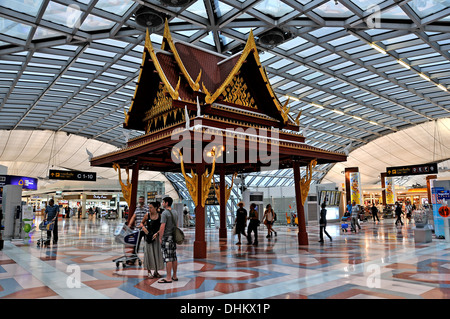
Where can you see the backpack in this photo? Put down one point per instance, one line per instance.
(178, 234)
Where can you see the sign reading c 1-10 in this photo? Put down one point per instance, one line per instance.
(72, 175)
(412, 170)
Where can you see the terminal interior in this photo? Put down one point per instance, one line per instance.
(365, 79)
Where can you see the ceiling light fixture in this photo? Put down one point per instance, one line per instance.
(378, 48)
(443, 88)
(404, 64)
(423, 76)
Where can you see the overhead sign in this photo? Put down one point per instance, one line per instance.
(72, 175)
(412, 170)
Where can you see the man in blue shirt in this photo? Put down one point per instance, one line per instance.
(51, 214)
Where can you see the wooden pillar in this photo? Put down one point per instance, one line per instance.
(302, 234)
(199, 242)
(134, 190)
(383, 186)
(223, 205)
(348, 191)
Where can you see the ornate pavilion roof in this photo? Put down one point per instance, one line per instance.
(179, 84)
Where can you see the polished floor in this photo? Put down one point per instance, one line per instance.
(381, 261)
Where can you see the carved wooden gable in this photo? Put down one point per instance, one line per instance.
(237, 92)
(161, 111)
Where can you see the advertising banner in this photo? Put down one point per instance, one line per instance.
(439, 198)
(355, 188)
(390, 191)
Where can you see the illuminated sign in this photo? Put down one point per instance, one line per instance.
(72, 175)
(28, 183)
(412, 170)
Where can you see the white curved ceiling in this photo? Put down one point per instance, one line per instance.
(32, 153)
(340, 67)
(424, 143)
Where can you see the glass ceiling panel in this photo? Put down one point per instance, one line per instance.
(14, 29)
(366, 4)
(292, 43)
(43, 33)
(222, 8)
(273, 8)
(114, 6)
(30, 7)
(394, 13)
(424, 8)
(199, 9)
(94, 23)
(333, 10)
(60, 14)
(209, 39)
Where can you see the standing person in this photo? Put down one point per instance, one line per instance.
(169, 220)
(253, 225)
(153, 259)
(323, 223)
(186, 216)
(398, 213)
(136, 220)
(269, 219)
(374, 211)
(349, 207)
(240, 221)
(51, 214)
(355, 215)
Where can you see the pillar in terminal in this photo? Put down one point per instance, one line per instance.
(383, 188)
(301, 192)
(199, 242)
(353, 185)
(223, 204)
(390, 190)
(134, 189)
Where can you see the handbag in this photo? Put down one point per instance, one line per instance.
(178, 234)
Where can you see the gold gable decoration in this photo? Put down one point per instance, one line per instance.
(161, 104)
(227, 189)
(192, 181)
(126, 188)
(237, 93)
(305, 182)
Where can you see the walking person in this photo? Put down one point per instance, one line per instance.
(355, 215)
(349, 207)
(374, 211)
(323, 223)
(269, 219)
(409, 210)
(398, 213)
(153, 258)
(136, 220)
(186, 216)
(168, 246)
(51, 215)
(253, 225)
(240, 221)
